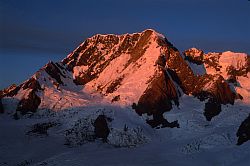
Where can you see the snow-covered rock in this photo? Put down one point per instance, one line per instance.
(139, 82)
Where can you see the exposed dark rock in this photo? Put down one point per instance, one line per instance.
(174, 76)
(161, 61)
(29, 104)
(194, 55)
(157, 98)
(134, 106)
(238, 96)
(203, 95)
(193, 60)
(32, 84)
(16, 116)
(10, 91)
(41, 128)
(159, 120)
(71, 60)
(248, 63)
(183, 75)
(93, 58)
(181, 72)
(1, 106)
(116, 98)
(140, 47)
(212, 108)
(232, 79)
(101, 127)
(233, 72)
(221, 91)
(54, 72)
(85, 78)
(243, 132)
(168, 44)
(114, 85)
(212, 60)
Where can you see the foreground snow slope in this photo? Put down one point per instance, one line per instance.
(197, 141)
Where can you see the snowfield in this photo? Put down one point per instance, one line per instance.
(131, 141)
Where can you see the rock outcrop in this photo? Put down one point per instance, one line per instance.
(101, 127)
(212, 108)
(157, 98)
(53, 70)
(194, 55)
(29, 104)
(9, 91)
(243, 132)
(30, 100)
(1, 106)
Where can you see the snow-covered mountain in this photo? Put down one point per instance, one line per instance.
(127, 83)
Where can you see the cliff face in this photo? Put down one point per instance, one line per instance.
(157, 98)
(141, 68)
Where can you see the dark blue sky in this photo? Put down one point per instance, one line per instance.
(33, 32)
